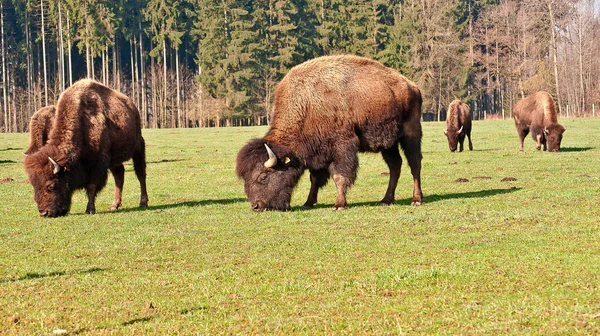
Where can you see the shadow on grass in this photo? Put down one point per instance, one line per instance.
(575, 149)
(429, 198)
(9, 149)
(182, 204)
(165, 161)
(137, 320)
(32, 276)
(7, 161)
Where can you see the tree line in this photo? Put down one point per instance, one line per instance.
(204, 63)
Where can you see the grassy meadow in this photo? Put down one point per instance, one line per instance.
(515, 250)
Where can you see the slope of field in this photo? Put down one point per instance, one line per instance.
(514, 249)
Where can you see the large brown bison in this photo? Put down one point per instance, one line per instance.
(325, 111)
(39, 128)
(95, 129)
(537, 114)
(458, 124)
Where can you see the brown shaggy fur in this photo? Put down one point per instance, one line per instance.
(39, 128)
(324, 112)
(459, 116)
(95, 129)
(537, 114)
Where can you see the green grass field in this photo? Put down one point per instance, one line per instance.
(480, 257)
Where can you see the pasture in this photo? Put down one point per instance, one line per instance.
(515, 250)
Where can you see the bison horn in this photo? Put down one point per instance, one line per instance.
(56, 165)
(445, 132)
(272, 161)
(460, 129)
(546, 130)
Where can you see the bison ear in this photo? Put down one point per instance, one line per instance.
(56, 166)
(272, 161)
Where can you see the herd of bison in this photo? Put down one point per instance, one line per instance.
(325, 111)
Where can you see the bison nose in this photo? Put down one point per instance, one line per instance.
(258, 205)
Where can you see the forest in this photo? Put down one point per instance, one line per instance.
(215, 63)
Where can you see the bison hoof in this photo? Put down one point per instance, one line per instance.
(339, 208)
(90, 211)
(416, 203)
(385, 202)
(113, 208)
(307, 206)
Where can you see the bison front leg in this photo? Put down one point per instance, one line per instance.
(91, 191)
(344, 174)
(118, 173)
(394, 162)
(318, 178)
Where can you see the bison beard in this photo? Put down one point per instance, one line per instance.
(325, 111)
(95, 129)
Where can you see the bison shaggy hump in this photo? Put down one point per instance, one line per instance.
(325, 111)
(39, 128)
(95, 129)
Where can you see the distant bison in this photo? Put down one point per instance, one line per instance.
(537, 114)
(39, 128)
(325, 111)
(458, 124)
(95, 129)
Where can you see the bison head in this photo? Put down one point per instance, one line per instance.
(270, 173)
(553, 135)
(453, 136)
(51, 184)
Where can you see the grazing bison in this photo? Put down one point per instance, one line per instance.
(95, 129)
(537, 114)
(39, 128)
(325, 111)
(458, 124)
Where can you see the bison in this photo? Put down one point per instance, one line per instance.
(95, 129)
(39, 128)
(325, 111)
(458, 124)
(537, 114)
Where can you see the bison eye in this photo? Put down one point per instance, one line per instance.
(52, 186)
(263, 178)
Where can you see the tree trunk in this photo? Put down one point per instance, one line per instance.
(70, 48)
(4, 102)
(44, 55)
(164, 100)
(554, 51)
(179, 116)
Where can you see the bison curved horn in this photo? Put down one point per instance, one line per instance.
(546, 130)
(56, 165)
(460, 129)
(446, 132)
(272, 161)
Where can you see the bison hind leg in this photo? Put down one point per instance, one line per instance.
(118, 173)
(139, 165)
(392, 158)
(412, 151)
